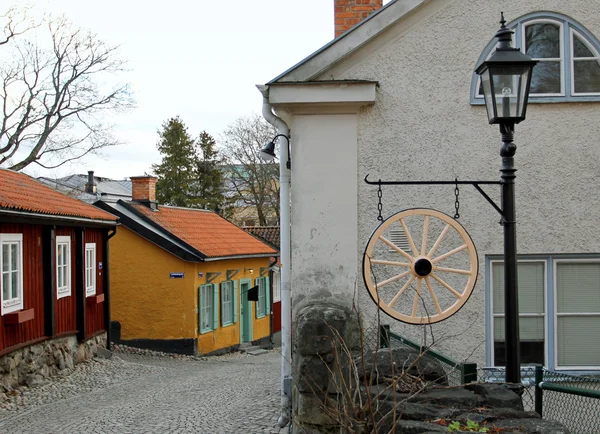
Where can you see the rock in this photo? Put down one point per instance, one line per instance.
(69, 362)
(103, 353)
(34, 380)
(387, 363)
(314, 374)
(416, 427)
(453, 397)
(532, 426)
(495, 395)
(80, 355)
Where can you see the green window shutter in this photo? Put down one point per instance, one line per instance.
(200, 315)
(235, 301)
(215, 304)
(257, 283)
(222, 288)
(267, 297)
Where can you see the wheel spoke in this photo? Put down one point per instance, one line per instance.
(438, 241)
(409, 238)
(452, 270)
(393, 263)
(445, 285)
(450, 253)
(417, 296)
(404, 288)
(425, 234)
(433, 297)
(395, 247)
(393, 279)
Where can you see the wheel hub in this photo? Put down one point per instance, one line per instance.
(423, 267)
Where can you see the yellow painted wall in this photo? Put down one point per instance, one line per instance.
(228, 336)
(144, 299)
(151, 305)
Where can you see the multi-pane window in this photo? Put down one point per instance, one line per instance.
(227, 304)
(531, 286)
(577, 313)
(568, 58)
(559, 312)
(263, 304)
(90, 269)
(206, 308)
(276, 286)
(63, 266)
(11, 263)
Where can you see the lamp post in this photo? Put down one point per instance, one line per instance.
(506, 79)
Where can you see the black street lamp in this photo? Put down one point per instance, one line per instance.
(506, 79)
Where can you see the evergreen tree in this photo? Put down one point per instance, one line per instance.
(208, 178)
(176, 171)
(188, 175)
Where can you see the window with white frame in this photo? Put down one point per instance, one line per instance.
(207, 307)
(568, 58)
(227, 303)
(276, 286)
(11, 263)
(90, 269)
(63, 266)
(559, 311)
(532, 289)
(262, 305)
(577, 321)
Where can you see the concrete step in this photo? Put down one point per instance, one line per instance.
(245, 345)
(257, 352)
(250, 348)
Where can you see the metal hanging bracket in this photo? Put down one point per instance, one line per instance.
(456, 183)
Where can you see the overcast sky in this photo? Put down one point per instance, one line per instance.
(198, 59)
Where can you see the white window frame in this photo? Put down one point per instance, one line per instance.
(524, 315)
(561, 59)
(261, 304)
(90, 270)
(65, 290)
(557, 315)
(276, 286)
(206, 294)
(569, 28)
(227, 310)
(584, 39)
(14, 304)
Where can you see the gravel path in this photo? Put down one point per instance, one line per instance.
(142, 393)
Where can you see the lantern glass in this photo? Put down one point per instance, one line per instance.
(505, 89)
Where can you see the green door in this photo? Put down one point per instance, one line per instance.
(245, 312)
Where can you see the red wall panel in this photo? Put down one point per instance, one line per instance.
(33, 287)
(94, 314)
(65, 308)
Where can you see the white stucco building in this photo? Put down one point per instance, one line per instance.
(395, 97)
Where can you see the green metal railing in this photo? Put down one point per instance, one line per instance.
(457, 373)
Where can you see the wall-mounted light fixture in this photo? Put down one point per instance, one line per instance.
(249, 270)
(267, 153)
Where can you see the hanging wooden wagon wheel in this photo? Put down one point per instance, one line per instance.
(420, 266)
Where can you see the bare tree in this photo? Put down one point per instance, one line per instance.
(251, 181)
(54, 90)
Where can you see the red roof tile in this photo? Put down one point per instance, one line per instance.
(20, 192)
(270, 234)
(206, 231)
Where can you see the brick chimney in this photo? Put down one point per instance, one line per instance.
(143, 190)
(348, 13)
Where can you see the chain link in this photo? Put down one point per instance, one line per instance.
(379, 204)
(456, 202)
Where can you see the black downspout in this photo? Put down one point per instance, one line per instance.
(271, 298)
(80, 283)
(107, 235)
(49, 271)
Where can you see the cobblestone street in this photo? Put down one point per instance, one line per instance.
(133, 393)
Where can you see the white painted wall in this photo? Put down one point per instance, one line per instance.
(324, 207)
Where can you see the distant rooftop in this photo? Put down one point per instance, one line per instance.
(108, 190)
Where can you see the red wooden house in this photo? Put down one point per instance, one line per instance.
(54, 272)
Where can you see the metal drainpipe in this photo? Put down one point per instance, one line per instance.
(286, 305)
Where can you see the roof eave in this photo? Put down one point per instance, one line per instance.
(256, 255)
(53, 218)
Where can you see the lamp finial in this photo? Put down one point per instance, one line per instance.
(502, 20)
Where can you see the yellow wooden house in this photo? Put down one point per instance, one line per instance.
(180, 278)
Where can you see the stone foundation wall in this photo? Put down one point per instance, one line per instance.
(34, 364)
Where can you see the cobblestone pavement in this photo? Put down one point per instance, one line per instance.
(131, 393)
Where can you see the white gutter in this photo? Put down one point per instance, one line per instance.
(284, 245)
